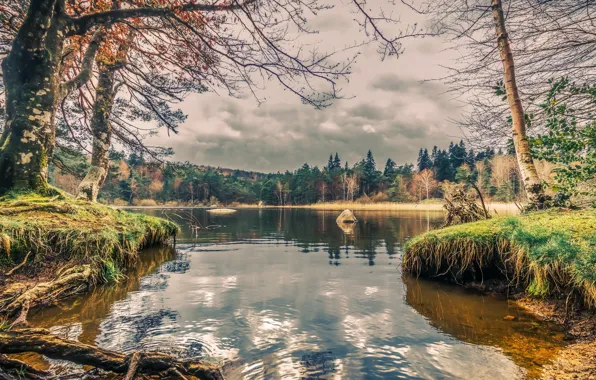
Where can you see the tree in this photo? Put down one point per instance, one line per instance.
(426, 180)
(352, 183)
(570, 142)
(34, 69)
(369, 173)
(424, 161)
(390, 169)
(525, 161)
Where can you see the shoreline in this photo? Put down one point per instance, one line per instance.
(536, 260)
(494, 208)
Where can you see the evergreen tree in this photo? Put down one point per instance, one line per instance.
(369, 173)
(330, 163)
(390, 166)
(336, 162)
(424, 161)
(443, 169)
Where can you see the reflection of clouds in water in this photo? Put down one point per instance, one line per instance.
(453, 362)
(370, 290)
(71, 331)
(360, 329)
(229, 282)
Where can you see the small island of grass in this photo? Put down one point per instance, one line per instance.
(546, 253)
(52, 246)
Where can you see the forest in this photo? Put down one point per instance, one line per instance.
(132, 180)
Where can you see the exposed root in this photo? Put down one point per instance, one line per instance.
(149, 363)
(71, 281)
(16, 268)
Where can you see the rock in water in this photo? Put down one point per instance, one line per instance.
(346, 216)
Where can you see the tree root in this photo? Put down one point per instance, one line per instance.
(16, 268)
(148, 363)
(18, 299)
(16, 368)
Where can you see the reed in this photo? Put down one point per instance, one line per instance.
(508, 208)
(546, 253)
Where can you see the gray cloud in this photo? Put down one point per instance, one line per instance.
(387, 109)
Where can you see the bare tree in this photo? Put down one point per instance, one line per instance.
(426, 180)
(251, 41)
(352, 184)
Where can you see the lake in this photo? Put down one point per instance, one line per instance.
(287, 293)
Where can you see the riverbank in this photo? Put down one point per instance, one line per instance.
(546, 260)
(52, 247)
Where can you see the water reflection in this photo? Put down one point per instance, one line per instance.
(289, 294)
(485, 320)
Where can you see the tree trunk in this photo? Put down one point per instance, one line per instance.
(31, 77)
(532, 184)
(102, 135)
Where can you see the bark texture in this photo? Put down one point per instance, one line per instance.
(30, 75)
(101, 128)
(42, 342)
(102, 135)
(532, 183)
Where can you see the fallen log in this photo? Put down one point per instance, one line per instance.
(16, 367)
(148, 363)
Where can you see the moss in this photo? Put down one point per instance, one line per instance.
(57, 229)
(546, 252)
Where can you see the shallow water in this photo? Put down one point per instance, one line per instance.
(289, 294)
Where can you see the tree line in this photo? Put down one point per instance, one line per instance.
(134, 180)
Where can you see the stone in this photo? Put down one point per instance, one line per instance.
(347, 216)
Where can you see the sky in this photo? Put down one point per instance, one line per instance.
(386, 108)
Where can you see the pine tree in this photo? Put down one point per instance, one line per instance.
(330, 163)
(424, 161)
(336, 162)
(369, 175)
(389, 172)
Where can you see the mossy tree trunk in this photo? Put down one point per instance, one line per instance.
(532, 183)
(105, 94)
(31, 78)
(102, 134)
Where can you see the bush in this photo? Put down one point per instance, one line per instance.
(144, 202)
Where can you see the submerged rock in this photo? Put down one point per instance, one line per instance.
(222, 211)
(347, 216)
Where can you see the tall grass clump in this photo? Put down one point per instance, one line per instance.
(546, 253)
(58, 229)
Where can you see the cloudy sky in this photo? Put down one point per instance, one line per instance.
(386, 109)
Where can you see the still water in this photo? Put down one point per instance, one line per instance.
(289, 294)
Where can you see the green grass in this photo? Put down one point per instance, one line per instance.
(59, 230)
(547, 253)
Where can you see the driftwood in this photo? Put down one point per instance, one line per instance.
(148, 363)
(18, 299)
(462, 207)
(14, 367)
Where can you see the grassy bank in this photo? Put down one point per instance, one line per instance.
(545, 253)
(54, 246)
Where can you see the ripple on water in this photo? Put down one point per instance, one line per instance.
(289, 298)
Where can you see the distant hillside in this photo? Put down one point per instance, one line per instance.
(235, 172)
